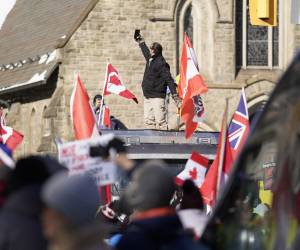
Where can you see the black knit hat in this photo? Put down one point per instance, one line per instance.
(33, 169)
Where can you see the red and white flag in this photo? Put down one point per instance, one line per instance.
(10, 137)
(190, 87)
(82, 114)
(220, 168)
(113, 84)
(194, 169)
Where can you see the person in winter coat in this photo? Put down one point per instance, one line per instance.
(20, 225)
(155, 225)
(156, 78)
(69, 217)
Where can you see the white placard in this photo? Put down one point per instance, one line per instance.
(76, 157)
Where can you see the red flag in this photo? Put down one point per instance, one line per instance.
(113, 84)
(194, 169)
(191, 85)
(105, 120)
(10, 137)
(219, 170)
(82, 113)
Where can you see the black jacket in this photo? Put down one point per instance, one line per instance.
(164, 232)
(20, 226)
(157, 75)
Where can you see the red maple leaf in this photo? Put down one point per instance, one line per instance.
(193, 173)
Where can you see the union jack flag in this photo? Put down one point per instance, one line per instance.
(238, 129)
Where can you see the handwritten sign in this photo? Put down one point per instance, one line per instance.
(76, 157)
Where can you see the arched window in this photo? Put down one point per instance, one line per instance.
(256, 46)
(46, 124)
(188, 22)
(185, 24)
(32, 131)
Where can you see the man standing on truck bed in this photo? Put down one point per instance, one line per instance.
(156, 78)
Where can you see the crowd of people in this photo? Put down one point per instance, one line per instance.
(45, 208)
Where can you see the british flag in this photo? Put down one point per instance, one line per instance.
(238, 129)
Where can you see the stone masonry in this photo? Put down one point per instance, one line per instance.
(107, 35)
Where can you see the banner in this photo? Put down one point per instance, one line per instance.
(76, 157)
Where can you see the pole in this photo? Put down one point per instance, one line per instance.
(100, 120)
(223, 145)
(178, 118)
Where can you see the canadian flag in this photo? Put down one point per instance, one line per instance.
(10, 137)
(113, 84)
(194, 169)
(190, 86)
(220, 168)
(82, 114)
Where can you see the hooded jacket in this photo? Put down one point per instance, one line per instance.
(157, 75)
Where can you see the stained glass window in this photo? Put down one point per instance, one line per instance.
(239, 33)
(261, 43)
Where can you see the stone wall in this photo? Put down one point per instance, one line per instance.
(107, 35)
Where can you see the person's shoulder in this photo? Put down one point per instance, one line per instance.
(160, 61)
(134, 238)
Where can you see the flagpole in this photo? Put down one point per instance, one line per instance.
(222, 151)
(102, 100)
(76, 73)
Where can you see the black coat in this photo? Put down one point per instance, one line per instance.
(20, 227)
(157, 75)
(164, 232)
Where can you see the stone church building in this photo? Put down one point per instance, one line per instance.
(44, 42)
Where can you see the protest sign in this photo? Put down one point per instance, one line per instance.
(76, 157)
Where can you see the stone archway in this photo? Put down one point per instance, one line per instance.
(205, 15)
(257, 94)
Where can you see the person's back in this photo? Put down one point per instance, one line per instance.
(159, 232)
(155, 225)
